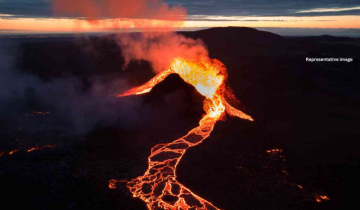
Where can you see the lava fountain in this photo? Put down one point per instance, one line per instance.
(158, 187)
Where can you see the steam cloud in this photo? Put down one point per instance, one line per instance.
(159, 48)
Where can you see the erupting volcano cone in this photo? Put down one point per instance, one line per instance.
(158, 187)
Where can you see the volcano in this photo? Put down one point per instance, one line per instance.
(305, 114)
(159, 187)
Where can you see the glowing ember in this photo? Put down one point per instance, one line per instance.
(274, 151)
(158, 187)
(29, 150)
(278, 153)
(320, 198)
(13, 151)
(285, 172)
(32, 149)
(40, 147)
(42, 113)
(38, 113)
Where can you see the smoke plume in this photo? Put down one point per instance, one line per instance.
(64, 97)
(159, 48)
(137, 12)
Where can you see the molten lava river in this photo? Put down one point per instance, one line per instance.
(158, 187)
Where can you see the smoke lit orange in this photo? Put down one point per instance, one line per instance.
(158, 187)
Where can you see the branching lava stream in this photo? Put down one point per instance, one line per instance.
(158, 187)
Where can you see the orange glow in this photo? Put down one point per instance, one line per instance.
(40, 147)
(37, 113)
(320, 198)
(139, 14)
(13, 151)
(208, 77)
(274, 151)
(350, 21)
(76, 25)
(29, 150)
(64, 25)
(32, 149)
(41, 113)
(286, 173)
(95, 10)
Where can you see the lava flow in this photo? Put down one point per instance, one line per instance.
(158, 187)
(41, 147)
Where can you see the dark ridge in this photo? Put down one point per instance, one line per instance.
(235, 32)
(352, 30)
(234, 35)
(326, 38)
(237, 40)
(174, 98)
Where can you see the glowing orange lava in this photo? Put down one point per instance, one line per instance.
(13, 151)
(28, 150)
(40, 147)
(158, 187)
(274, 151)
(320, 198)
(278, 153)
